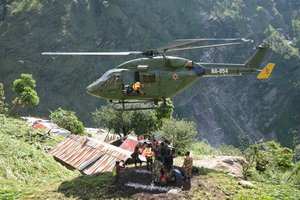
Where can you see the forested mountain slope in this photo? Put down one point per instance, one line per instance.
(231, 110)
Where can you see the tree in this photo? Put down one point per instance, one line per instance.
(145, 122)
(68, 120)
(3, 106)
(25, 89)
(123, 122)
(179, 132)
(164, 113)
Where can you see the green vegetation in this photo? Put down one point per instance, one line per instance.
(270, 162)
(216, 185)
(179, 132)
(3, 105)
(242, 108)
(24, 87)
(139, 122)
(125, 122)
(27, 172)
(29, 27)
(203, 148)
(146, 122)
(68, 120)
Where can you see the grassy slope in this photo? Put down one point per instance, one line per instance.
(216, 185)
(26, 172)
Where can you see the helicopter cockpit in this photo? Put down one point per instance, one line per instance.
(112, 82)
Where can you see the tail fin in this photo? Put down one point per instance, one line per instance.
(266, 72)
(255, 60)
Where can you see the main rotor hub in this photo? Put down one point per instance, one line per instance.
(150, 53)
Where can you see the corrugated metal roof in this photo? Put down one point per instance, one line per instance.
(130, 143)
(39, 123)
(77, 151)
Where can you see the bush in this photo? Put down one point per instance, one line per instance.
(270, 159)
(68, 120)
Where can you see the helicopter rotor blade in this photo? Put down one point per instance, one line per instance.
(205, 46)
(124, 53)
(183, 42)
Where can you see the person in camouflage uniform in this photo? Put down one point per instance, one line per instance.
(157, 166)
(188, 165)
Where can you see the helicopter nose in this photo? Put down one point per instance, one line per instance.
(93, 89)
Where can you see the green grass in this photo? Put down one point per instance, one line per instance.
(27, 172)
(203, 149)
(25, 169)
(215, 185)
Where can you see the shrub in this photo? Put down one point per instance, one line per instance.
(68, 120)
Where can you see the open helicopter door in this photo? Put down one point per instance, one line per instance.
(127, 80)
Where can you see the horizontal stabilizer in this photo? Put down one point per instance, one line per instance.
(265, 73)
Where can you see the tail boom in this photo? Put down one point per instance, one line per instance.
(251, 66)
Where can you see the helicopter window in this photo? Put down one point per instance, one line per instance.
(105, 76)
(137, 76)
(149, 78)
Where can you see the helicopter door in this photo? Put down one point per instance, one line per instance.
(150, 82)
(128, 78)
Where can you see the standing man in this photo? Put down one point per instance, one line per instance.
(188, 165)
(148, 154)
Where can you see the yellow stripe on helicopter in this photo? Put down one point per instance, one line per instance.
(266, 72)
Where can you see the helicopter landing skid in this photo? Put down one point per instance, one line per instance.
(123, 103)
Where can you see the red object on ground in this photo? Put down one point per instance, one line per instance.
(40, 126)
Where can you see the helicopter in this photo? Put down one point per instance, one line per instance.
(160, 76)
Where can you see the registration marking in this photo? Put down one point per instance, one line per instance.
(219, 71)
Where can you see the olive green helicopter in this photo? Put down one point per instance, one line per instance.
(157, 76)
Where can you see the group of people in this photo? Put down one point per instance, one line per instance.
(159, 159)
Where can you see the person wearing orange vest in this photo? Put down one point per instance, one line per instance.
(137, 87)
(148, 154)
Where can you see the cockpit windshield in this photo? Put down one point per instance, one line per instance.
(104, 77)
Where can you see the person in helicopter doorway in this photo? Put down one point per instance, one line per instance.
(136, 88)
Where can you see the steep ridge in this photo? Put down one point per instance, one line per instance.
(237, 110)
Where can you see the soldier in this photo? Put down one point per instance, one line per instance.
(157, 166)
(188, 165)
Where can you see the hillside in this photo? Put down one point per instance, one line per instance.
(27, 172)
(236, 111)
